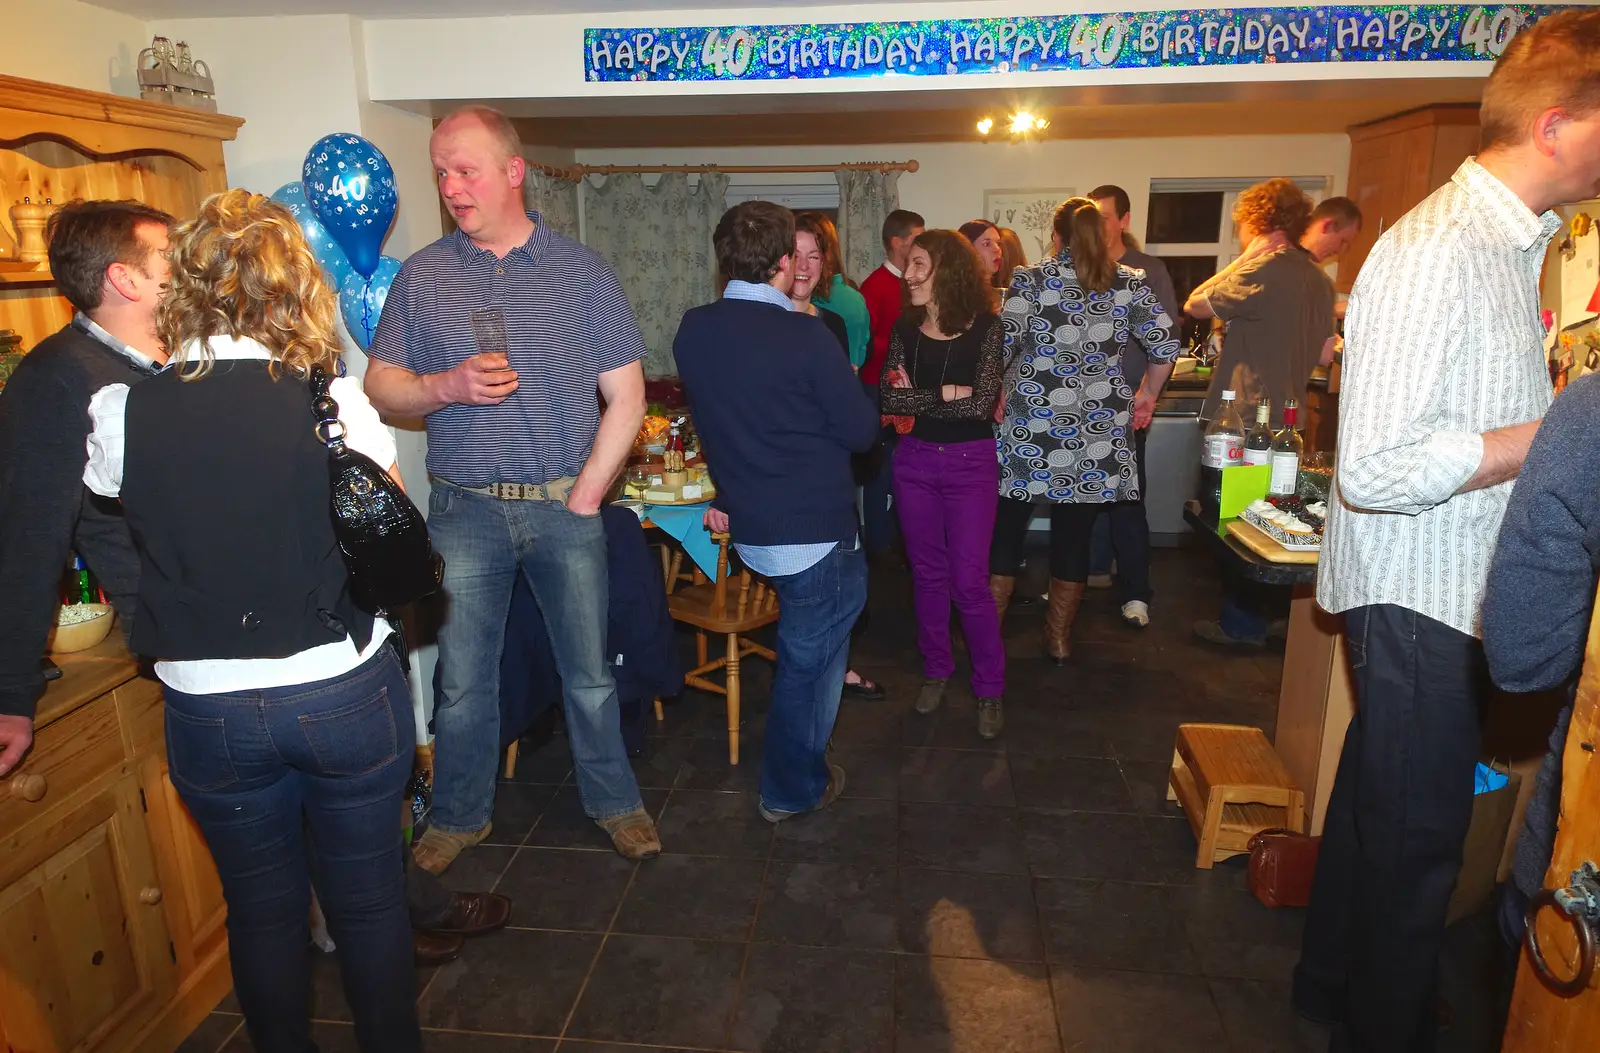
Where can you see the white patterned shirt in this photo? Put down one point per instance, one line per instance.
(1443, 342)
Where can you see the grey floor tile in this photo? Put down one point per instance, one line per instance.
(1093, 845)
(829, 905)
(706, 767)
(564, 823)
(478, 868)
(1079, 783)
(804, 1000)
(550, 763)
(213, 1031)
(472, 1042)
(693, 896)
(1259, 1019)
(655, 990)
(702, 823)
(951, 837)
(1112, 925)
(517, 806)
(850, 830)
(955, 915)
(944, 776)
(1234, 935)
(1101, 1010)
(956, 1005)
(330, 1037)
(561, 888)
(873, 773)
(658, 768)
(516, 981)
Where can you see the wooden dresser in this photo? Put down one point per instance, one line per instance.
(111, 914)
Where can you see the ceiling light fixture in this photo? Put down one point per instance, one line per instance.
(1019, 126)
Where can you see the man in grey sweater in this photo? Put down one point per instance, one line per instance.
(1539, 601)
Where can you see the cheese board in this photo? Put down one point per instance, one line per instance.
(1265, 547)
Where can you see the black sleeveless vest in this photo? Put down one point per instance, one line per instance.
(225, 489)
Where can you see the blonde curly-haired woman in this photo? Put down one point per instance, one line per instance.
(287, 712)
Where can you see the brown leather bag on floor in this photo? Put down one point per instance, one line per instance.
(1282, 863)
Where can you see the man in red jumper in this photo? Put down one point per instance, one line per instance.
(881, 290)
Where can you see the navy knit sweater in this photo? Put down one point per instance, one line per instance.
(779, 412)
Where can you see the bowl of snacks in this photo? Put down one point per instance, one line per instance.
(80, 626)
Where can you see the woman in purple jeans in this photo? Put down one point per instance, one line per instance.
(944, 371)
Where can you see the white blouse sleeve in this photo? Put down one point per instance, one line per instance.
(108, 411)
(364, 431)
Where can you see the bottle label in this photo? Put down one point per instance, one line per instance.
(1223, 451)
(1257, 456)
(1285, 473)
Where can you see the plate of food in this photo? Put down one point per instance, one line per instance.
(1291, 522)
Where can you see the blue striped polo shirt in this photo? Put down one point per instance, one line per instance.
(567, 321)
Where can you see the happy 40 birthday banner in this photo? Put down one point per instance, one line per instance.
(1114, 40)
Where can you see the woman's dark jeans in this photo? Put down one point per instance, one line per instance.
(258, 770)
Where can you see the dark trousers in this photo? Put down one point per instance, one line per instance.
(878, 520)
(1123, 529)
(1392, 839)
(427, 900)
(1071, 526)
(257, 769)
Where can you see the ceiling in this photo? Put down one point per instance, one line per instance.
(1105, 112)
(412, 8)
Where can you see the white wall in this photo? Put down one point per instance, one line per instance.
(81, 46)
(948, 186)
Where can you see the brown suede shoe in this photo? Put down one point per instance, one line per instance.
(473, 914)
(435, 948)
(632, 835)
(1062, 612)
(830, 793)
(439, 848)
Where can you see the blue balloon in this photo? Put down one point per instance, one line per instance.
(361, 299)
(327, 251)
(350, 186)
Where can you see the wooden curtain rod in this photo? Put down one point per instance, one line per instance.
(577, 172)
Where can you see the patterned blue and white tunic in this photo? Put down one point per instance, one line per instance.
(1068, 433)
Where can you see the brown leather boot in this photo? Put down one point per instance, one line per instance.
(1064, 599)
(1000, 586)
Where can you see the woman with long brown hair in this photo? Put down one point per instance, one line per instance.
(288, 719)
(833, 289)
(1012, 256)
(944, 371)
(1066, 437)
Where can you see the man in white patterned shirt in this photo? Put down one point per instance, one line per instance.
(1444, 384)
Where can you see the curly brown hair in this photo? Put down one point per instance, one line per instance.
(242, 268)
(1273, 206)
(961, 290)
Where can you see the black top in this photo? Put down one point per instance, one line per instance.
(45, 510)
(237, 554)
(836, 326)
(975, 359)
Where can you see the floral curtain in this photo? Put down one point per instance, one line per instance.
(658, 239)
(866, 198)
(553, 198)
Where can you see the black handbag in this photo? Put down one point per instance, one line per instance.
(382, 535)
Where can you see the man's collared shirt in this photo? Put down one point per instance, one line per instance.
(774, 561)
(1443, 342)
(566, 322)
(126, 350)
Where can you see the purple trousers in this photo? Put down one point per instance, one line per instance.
(945, 494)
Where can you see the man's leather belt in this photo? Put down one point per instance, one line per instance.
(554, 490)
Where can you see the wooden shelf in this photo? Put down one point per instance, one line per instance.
(17, 272)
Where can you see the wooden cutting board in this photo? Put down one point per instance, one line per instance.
(1266, 547)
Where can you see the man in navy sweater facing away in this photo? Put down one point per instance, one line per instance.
(779, 412)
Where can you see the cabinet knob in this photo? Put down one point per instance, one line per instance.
(150, 896)
(30, 788)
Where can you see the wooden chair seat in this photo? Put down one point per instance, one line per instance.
(1231, 785)
(732, 606)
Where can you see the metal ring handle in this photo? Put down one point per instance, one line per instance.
(1579, 982)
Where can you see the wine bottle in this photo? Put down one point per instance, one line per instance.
(1258, 444)
(1287, 447)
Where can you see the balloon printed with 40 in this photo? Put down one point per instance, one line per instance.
(350, 187)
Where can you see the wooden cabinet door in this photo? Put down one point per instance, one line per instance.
(1542, 1020)
(1377, 184)
(82, 937)
(196, 913)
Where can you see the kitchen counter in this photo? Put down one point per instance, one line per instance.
(1239, 555)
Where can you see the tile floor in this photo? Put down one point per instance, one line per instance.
(1032, 895)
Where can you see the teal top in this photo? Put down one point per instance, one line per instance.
(852, 307)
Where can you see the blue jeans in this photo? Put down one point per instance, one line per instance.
(485, 543)
(1247, 606)
(258, 769)
(817, 608)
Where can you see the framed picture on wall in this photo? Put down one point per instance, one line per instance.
(1028, 212)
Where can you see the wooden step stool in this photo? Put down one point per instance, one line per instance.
(1232, 786)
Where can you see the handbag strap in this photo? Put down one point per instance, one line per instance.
(329, 429)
